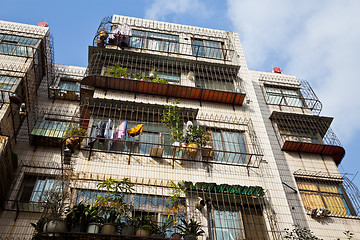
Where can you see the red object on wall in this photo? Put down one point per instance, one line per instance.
(43, 24)
(277, 70)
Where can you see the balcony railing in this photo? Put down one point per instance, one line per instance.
(203, 82)
(307, 133)
(169, 44)
(301, 96)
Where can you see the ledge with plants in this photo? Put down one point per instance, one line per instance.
(192, 137)
(120, 72)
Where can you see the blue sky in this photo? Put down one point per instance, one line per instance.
(315, 40)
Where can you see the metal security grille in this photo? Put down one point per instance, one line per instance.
(307, 133)
(153, 38)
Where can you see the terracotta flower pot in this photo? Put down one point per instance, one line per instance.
(192, 149)
(108, 228)
(142, 233)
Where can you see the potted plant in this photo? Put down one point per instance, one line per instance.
(93, 219)
(83, 218)
(173, 121)
(53, 209)
(117, 71)
(194, 138)
(72, 136)
(112, 205)
(128, 227)
(190, 229)
(110, 221)
(161, 230)
(176, 190)
(39, 225)
(144, 226)
(76, 218)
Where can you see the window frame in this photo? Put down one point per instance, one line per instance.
(228, 146)
(281, 98)
(146, 40)
(15, 43)
(204, 47)
(325, 195)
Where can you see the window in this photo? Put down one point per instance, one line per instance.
(69, 85)
(154, 41)
(153, 134)
(231, 222)
(231, 146)
(173, 78)
(49, 128)
(7, 84)
(67, 89)
(16, 45)
(35, 190)
(156, 206)
(206, 48)
(225, 85)
(324, 195)
(283, 96)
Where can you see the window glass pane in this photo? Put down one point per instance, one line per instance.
(69, 85)
(170, 77)
(328, 196)
(215, 84)
(6, 48)
(49, 128)
(213, 49)
(198, 48)
(231, 142)
(226, 223)
(22, 51)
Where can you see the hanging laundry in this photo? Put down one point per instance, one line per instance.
(125, 30)
(120, 36)
(120, 130)
(137, 130)
(107, 129)
(94, 134)
(111, 136)
(102, 132)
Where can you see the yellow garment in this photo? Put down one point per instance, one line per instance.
(135, 130)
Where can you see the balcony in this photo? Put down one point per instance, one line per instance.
(147, 38)
(180, 79)
(242, 148)
(307, 133)
(298, 96)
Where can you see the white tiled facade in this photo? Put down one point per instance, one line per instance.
(281, 207)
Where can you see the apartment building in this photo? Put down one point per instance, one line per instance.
(173, 116)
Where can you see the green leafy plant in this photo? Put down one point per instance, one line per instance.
(197, 135)
(73, 130)
(145, 222)
(113, 205)
(191, 227)
(159, 80)
(299, 233)
(177, 190)
(165, 226)
(173, 121)
(117, 71)
(81, 214)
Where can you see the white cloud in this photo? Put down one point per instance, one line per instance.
(160, 9)
(315, 40)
